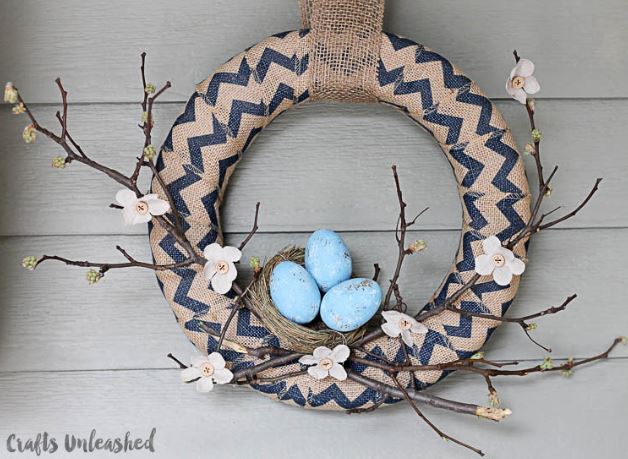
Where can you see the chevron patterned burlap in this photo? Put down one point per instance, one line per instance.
(233, 105)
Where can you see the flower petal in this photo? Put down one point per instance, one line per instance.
(213, 252)
(189, 374)
(222, 376)
(231, 253)
(209, 270)
(531, 85)
(232, 273)
(317, 372)
(391, 329)
(509, 89)
(198, 360)
(125, 197)
(338, 372)
(491, 245)
(520, 96)
(221, 283)
(308, 360)
(391, 316)
(216, 360)
(321, 352)
(517, 266)
(507, 253)
(128, 215)
(502, 276)
(524, 68)
(204, 385)
(407, 337)
(138, 219)
(419, 328)
(157, 206)
(340, 354)
(484, 265)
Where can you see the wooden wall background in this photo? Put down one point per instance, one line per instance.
(74, 357)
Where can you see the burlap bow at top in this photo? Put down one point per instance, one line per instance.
(345, 38)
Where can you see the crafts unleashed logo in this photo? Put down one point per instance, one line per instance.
(44, 443)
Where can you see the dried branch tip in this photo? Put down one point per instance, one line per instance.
(494, 414)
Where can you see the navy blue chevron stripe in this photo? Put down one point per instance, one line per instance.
(473, 166)
(188, 116)
(477, 219)
(468, 260)
(452, 278)
(209, 203)
(432, 339)
(270, 56)
(395, 76)
(176, 187)
(223, 167)
(284, 92)
(453, 123)
(399, 43)
(238, 109)
(293, 393)
(464, 327)
(511, 157)
(486, 111)
(218, 136)
(506, 206)
(181, 297)
(246, 328)
(168, 245)
(450, 79)
(241, 78)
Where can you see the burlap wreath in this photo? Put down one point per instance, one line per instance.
(245, 94)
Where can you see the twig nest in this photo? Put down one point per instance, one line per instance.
(299, 338)
(327, 259)
(351, 304)
(294, 292)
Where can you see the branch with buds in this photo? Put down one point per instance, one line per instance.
(498, 260)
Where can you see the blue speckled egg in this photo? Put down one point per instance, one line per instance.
(351, 304)
(327, 259)
(294, 292)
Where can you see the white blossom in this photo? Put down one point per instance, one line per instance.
(220, 267)
(498, 261)
(207, 371)
(522, 81)
(325, 362)
(397, 323)
(140, 210)
(10, 93)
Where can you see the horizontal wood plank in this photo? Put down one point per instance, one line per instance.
(318, 166)
(95, 47)
(552, 417)
(52, 320)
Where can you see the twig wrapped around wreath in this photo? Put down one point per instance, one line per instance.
(138, 207)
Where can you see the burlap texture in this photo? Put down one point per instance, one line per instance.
(240, 99)
(344, 43)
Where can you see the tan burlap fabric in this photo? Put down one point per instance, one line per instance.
(344, 43)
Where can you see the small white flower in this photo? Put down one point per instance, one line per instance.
(397, 323)
(498, 261)
(327, 362)
(10, 93)
(220, 269)
(522, 81)
(140, 210)
(207, 371)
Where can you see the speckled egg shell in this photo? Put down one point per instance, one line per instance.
(351, 304)
(294, 292)
(327, 259)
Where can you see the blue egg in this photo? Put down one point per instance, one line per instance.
(294, 292)
(351, 304)
(327, 259)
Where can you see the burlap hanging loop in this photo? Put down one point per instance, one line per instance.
(344, 42)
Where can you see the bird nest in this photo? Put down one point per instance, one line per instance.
(299, 337)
